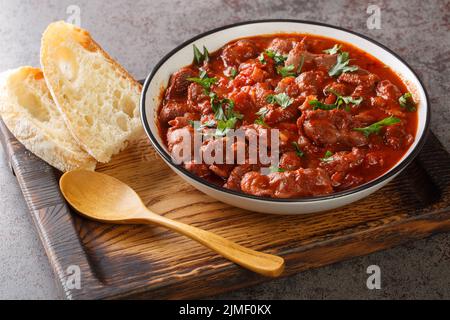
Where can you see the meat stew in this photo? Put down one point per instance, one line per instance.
(343, 117)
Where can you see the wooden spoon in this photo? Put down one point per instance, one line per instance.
(106, 199)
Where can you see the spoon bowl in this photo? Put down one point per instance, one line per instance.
(101, 197)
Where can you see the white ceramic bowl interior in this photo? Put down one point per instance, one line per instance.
(215, 39)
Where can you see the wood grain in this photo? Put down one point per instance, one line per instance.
(152, 262)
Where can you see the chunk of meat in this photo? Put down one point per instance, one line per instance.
(238, 52)
(243, 102)
(172, 109)
(289, 86)
(378, 102)
(387, 90)
(180, 142)
(298, 55)
(225, 150)
(198, 100)
(340, 88)
(221, 170)
(325, 61)
(199, 169)
(235, 177)
(183, 121)
(306, 105)
(257, 133)
(311, 82)
(339, 165)
(344, 161)
(397, 137)
(288, 184)
(278, 114)
(331, 127)
(374, 158)
(178, 84)
(290, 161)
(282, 45)
(361, 77)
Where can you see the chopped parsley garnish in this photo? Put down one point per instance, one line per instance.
(278, 58)
(340, 101)
(262, 114)
(299, 152)
(223, 126)
(281, 99)
(376, 127)
(197, 125)
(341, 65)
(200, 57)
(286, 71)
(320, 105)
(262, 59)
(203, 80)
(224, 114)
(233, 73)
(327, 157)
(336, 48)
(300, 66)
(406, 101)
(274, 169)
(261, 122)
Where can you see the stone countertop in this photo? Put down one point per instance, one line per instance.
(138, 33)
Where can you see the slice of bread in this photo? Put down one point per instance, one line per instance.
(29, 112)
(98, 98)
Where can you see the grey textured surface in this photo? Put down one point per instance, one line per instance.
(139, 33)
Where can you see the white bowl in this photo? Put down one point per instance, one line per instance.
(213, 40)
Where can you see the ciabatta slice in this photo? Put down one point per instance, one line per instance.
(29, 112)
(98, 98)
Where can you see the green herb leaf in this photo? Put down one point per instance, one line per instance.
(341, 65)
(286, 71)
(336, 48)
(407, 102)
(233, 73)
(200, 57)
(300, 66)
(262, 114)
(298, 151)
(224, 114)
(319, 105)
(281, 99)
(376, 127)
(223, 126)
(274, 169)
(261, 122)
(327, 157)
(262, 59)
(277, 58)
(340, 100)
(349, 99)
(198, 126)
(203, 80)
(205, 54)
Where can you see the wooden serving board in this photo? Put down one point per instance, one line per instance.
(151, 262)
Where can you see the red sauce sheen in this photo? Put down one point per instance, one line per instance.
(320, 150)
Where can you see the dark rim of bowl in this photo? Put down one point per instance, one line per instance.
(398, 167)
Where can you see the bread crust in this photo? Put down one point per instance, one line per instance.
(53, 37)
(54, 145)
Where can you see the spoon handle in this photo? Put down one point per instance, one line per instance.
(262, 263)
